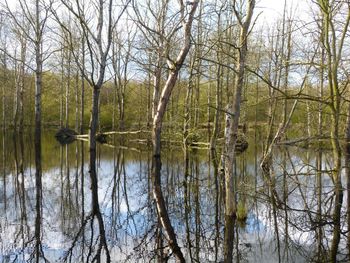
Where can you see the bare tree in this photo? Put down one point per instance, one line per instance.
(4, 62)
(98, 44)
(334, 43)
(231, 125)
(35, 14)
(187, 11)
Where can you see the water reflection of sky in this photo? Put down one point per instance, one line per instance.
(131, 224)
(254, 224)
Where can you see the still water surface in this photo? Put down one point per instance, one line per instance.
(289, 213)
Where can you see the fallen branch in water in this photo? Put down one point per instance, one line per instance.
(125, 132)
(113, 132)
(303, 139)
(81, 136)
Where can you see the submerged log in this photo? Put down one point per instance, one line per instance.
(101, 138)
(241, 144)
(66, 132)
(65, 135)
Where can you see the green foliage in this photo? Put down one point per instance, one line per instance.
(51, 99)
(137, 103)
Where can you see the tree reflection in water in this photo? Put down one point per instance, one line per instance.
(290, 207)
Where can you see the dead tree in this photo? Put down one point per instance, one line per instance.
(187, 11)
(98, 47)
(231, 126)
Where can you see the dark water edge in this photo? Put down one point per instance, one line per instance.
(289, 213)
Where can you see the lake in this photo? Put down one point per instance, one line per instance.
(286, 216)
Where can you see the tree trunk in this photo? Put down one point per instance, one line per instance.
(333, 49)
(77, 101)
(338, 191)
(162, 104)
(82, 98)
(156, 86)
(92, 143)
(93, 170)
(61, 88)
(232, 117)
(156, 135)
(347, 170)
(231, 132)
(68, 87)
(162, 210)
(187, 113)
(3, 97)
(216, 121)
(37, 134)
(21, 85)
(16, 97)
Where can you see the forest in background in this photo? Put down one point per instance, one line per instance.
(285, 62)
